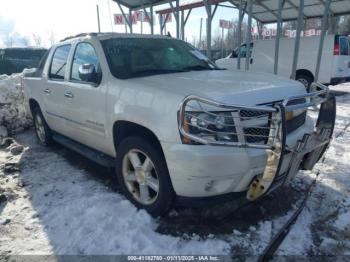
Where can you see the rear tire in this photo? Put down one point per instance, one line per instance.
(305, 79)
(42, 130)
(143, 176)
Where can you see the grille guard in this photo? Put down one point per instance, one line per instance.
(305, 153)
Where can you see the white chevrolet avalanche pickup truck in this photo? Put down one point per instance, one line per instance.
(174, 125)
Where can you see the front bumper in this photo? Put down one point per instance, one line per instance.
(263, 167)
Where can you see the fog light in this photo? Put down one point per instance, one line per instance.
(289, 115)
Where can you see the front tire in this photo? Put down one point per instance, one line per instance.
(42, 130)
(143, 176)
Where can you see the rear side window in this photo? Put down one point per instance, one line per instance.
(344, 46)
(41, 65)
(59, 62)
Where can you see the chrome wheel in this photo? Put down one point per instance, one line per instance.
(40, 128)
(140, 176)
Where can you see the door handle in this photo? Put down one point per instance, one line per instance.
(69, 94)
(47, 91)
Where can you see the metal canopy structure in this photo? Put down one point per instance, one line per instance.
(263, 11)
(266, 11)
(139, 4)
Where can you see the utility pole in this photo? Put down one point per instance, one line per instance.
(200, 33)
(142, 15)
(222, 42)
(98, 18)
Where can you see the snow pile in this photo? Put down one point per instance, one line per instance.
(13, 115)
(345, 87)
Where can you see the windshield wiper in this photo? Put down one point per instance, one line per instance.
(197, 68)
(200, 68)
(147, 72)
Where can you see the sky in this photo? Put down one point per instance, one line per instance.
(53, 20)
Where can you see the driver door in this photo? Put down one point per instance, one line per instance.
(86, 99)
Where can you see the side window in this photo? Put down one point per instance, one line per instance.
(59, 62)
(41, 64)
(344, 46)
(86, 67)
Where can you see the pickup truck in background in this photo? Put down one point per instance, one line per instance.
(174, 125)
(335, 63)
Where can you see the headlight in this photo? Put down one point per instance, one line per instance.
(215, 126)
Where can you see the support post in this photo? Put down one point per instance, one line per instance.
(151, 19)
(278, 35)
(260, 28)
(209, 23)
(323, 33)
(200, 33)
(142, 16)
(183, 24)
(177, 15)
(249, 34)
(297, 39)
(98, 18)
(222, 42)
(240, 19)
(161, 23)
(127, 19)
(130, 21)
(175, 12)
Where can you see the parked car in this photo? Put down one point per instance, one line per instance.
(335, 64)
(14, 60)
(176, 128)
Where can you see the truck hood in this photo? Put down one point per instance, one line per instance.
(241, 88)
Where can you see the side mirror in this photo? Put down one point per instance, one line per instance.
(87, 73)
(234, 54)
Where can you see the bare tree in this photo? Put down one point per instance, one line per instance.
(52, 38)
(37, 40)
(25, 41)
(8, 41)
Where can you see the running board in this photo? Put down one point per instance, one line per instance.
(94, 155)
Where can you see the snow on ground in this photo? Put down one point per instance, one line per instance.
(345, 87)
(53, 201)
(326, 219)
(55, 206)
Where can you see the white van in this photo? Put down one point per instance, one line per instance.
(335, 64)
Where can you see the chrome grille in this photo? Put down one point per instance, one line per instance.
(257, 135)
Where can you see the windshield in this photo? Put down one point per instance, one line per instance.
(137, 57)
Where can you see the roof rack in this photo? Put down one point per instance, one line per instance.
(79, 35)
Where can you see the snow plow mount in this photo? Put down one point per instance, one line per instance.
(265, 127)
